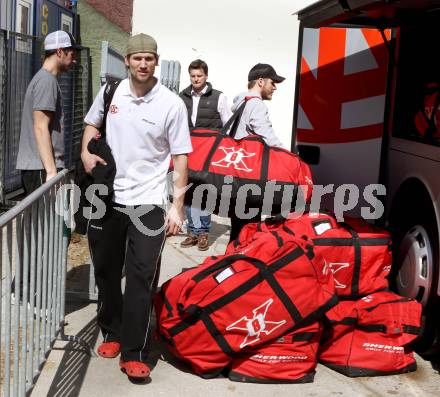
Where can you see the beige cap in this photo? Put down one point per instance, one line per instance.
(141, 43)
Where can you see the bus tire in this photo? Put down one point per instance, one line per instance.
(415, 268)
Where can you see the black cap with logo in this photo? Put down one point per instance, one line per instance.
(264, 71)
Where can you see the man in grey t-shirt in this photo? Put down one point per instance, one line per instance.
(41, 147)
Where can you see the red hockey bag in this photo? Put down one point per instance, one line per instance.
(371, 337)
(291, 358)
(232, 303)
(221, 167)
(358, 254)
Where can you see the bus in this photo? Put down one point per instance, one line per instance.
(367, 112)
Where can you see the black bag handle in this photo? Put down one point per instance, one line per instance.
(233, 122)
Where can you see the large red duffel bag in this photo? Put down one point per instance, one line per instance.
(292, 358)
(370, 337)
(246, 162)
(358, 254)
(233, 303)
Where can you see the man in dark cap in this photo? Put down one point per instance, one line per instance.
(262, 80)
(146, 127)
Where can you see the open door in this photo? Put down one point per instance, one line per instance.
(341, 105)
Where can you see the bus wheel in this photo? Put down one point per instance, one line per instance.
(415, 273)
(415, 264)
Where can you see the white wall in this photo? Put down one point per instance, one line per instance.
(231, 36)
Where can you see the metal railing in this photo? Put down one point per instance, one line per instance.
(34, 238)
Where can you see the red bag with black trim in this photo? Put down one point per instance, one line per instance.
(233, 303)
(358, 254)
(292, 358)
(249, 160)
(371, 336)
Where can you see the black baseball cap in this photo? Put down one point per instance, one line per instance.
(264, 71)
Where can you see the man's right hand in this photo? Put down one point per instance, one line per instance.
(50, 175)
(90, 160)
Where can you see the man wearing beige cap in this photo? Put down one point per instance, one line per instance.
(146, 126)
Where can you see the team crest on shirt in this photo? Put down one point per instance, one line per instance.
(114, 109)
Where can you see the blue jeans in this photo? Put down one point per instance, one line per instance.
(198, 221)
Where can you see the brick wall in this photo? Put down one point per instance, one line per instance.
(95, 28)
(119, 12)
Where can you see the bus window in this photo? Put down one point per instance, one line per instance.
(417, 109)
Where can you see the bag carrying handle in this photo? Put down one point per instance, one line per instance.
(234, 121)
(224, 263)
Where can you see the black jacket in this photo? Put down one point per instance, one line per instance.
(207, 113)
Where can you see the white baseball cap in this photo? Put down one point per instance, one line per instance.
(59, 39)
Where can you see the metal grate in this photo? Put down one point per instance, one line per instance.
(19, 69)
(170, 75)
(2, 105)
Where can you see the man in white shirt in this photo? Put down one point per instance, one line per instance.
(207, 108)
(146, 126)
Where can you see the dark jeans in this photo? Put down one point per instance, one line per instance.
(32, 180)
(114, 241)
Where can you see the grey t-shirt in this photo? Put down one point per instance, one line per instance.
(43, 93)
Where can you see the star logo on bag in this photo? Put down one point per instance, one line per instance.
(336, 267)
(256, 325)
(235, 158)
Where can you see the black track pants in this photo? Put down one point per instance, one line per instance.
(114, 240)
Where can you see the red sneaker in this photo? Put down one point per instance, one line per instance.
(135, 369)
(109, 349)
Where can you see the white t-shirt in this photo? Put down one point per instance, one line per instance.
(142, 133)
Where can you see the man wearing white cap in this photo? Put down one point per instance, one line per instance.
(41, 147)
(146, 127)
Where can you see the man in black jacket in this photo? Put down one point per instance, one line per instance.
(207, 108)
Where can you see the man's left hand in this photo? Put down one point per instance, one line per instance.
(174, 220)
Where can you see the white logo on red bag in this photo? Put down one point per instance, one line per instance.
(383, 348)
(334, 268)
(256, 325)
(235, 158)
(387, 268)
(367, 298)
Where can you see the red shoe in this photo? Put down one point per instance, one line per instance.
(109, 349)
(135, 369)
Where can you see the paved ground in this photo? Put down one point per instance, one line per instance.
(70, 372)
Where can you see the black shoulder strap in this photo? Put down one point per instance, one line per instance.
(233, 122)
(109, 91)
